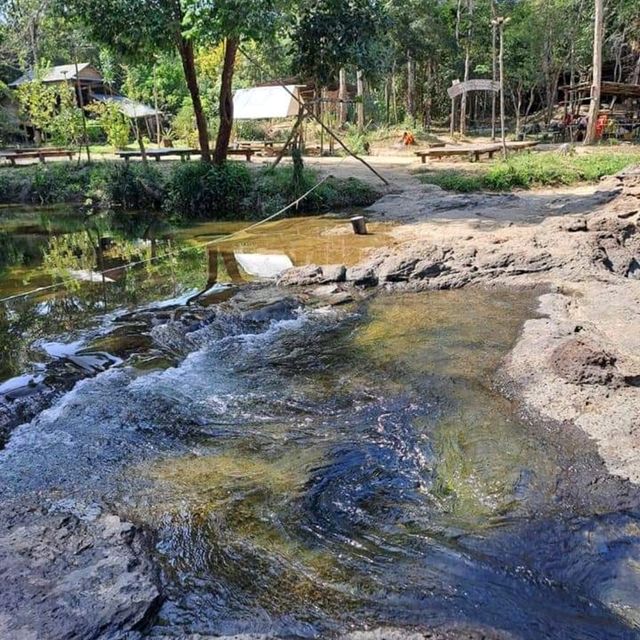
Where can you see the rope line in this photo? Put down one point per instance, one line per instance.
(129, 265)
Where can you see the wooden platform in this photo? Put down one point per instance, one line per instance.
(472, 153)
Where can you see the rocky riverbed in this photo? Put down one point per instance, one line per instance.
(580, 361)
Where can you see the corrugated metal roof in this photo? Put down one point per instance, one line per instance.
(263, 103)
(61, 73)
(128, 107)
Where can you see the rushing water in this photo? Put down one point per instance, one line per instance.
(306, 473)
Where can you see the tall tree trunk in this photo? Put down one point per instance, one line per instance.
(596, 87)
(342, 96)
(467, 67)
(189, 67)
(411, 88)
(226, 101)
(635, 78)
(428, 98)
(360, 85)
(494, 68)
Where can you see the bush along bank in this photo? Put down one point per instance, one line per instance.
(185, 190)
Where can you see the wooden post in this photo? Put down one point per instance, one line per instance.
(81, 105)
(359, 224)
(494, 65)
(342, 96)
(596, 88)
(155, 101)
(360, 84)
(452, 128)
(500, 23)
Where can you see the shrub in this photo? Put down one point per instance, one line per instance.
(113, 123)
(250, 130)
(129, 186)
(200, 190)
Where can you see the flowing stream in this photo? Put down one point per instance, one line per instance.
(307, 471)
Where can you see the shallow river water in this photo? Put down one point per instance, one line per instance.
(307, 471)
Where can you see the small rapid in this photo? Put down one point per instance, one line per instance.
(306, 472)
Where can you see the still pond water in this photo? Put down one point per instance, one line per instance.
(308, 471)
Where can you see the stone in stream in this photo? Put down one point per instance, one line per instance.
(64, 577)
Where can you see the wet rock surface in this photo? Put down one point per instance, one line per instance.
(64, 576)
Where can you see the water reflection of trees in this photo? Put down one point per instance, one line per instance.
(76, 304)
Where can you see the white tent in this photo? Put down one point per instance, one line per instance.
(264, 103)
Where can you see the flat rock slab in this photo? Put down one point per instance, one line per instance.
(62, 577)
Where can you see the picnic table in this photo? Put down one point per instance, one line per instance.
(184, 154)
(13, 155)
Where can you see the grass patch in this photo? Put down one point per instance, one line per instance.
(533, 169)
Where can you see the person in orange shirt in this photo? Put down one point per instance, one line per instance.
(408, 139)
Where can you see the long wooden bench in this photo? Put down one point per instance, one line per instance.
(184, 154)
(247, 153)
(472, 153)
(40, 154)
(158, 154)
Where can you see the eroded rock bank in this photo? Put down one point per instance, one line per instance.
(580, 360)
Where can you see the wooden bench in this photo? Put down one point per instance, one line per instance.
(40, 154)
(472, 153)
(184, 154)
(158, 154)
(247, 153)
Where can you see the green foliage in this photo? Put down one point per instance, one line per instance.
(52, 109)
(330, 34)
(531, 170)
(183, 190)
(250, 130)
(131, 186)
(200, 190)
(184, 124)
(356, 140)
(113, 123)
(66, 127)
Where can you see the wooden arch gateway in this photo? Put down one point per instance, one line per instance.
(458, 89)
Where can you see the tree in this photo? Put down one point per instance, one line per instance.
(138, 29)
(230, 22)
(596, 87)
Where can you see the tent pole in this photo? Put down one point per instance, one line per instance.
(315, 117)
